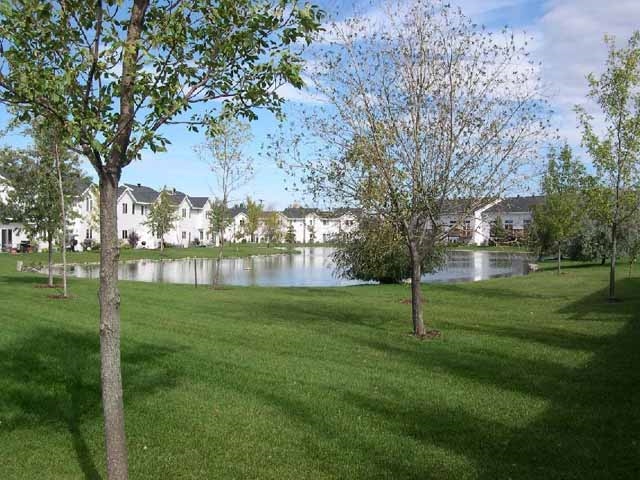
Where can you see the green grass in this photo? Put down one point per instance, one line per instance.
(231, 250)
(493, 248)
(534, 377)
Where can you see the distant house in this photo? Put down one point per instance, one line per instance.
(310, 225)
(12, 233)
(516, 214)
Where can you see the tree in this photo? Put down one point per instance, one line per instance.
(429, 111)
(162, 216)
(376, 251)
(115, 73)
(561, 216)
(33, 196)
(254, 215)
(616, 152)
(498, 232)
(223, 153)
(273, 228)
(290, 236)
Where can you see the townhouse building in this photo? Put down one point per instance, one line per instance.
(309, 225)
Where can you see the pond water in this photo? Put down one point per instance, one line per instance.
(312, 267)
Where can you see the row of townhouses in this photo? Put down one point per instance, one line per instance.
(309, 225)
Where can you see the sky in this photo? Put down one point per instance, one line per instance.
(567, 38)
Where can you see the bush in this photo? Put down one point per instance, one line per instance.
(376, 252)
(133, 239)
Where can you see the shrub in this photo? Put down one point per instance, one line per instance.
(133, 239)
(375, 251)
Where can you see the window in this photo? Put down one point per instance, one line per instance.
(348, 223)
(242, 223)
(124, 208)
(526, 223)
(133, 209)
(184, 235)
(184, 214)
(324, 222)
(201, 235)
(125, 234)
(508, 224)
(89, 234)
(88, 204)
(141, 209)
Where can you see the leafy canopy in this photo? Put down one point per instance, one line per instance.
(74, 61)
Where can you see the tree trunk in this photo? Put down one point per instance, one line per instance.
(416, 293)
(50, 260)
(559, 257)
(216, 276)
(64, 223)
(612, 271)
(109, 296)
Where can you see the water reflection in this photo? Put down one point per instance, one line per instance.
(311, 268)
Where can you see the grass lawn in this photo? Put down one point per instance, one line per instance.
(493, 248)
(534, 377)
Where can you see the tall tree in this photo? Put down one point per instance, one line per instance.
(162, 216)
(616, 152)
(273, 228)
(428, 112)
(114, 73)
(224, 155)
(254, 216)
(33, 196)
(561, 216)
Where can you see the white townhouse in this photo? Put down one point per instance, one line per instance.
(310, 225)
(11, 233)
(516, 213)
(192, 224)
(134, 203)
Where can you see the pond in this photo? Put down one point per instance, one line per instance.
(312, 267)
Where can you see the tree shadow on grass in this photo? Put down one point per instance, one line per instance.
(587, 427)
(53, 378)
(591, 426)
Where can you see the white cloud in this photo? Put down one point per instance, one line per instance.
(304, 95)
(572, 46)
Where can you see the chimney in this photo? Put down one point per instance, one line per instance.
(139, 184)
(174, 190)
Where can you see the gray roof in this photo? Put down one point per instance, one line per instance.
(141, 193)
(302, 212)
(198, 202)
(144, 194)
(236, 209)
(517, 204)
(298, 212)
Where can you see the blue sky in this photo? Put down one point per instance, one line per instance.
(567, 39)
